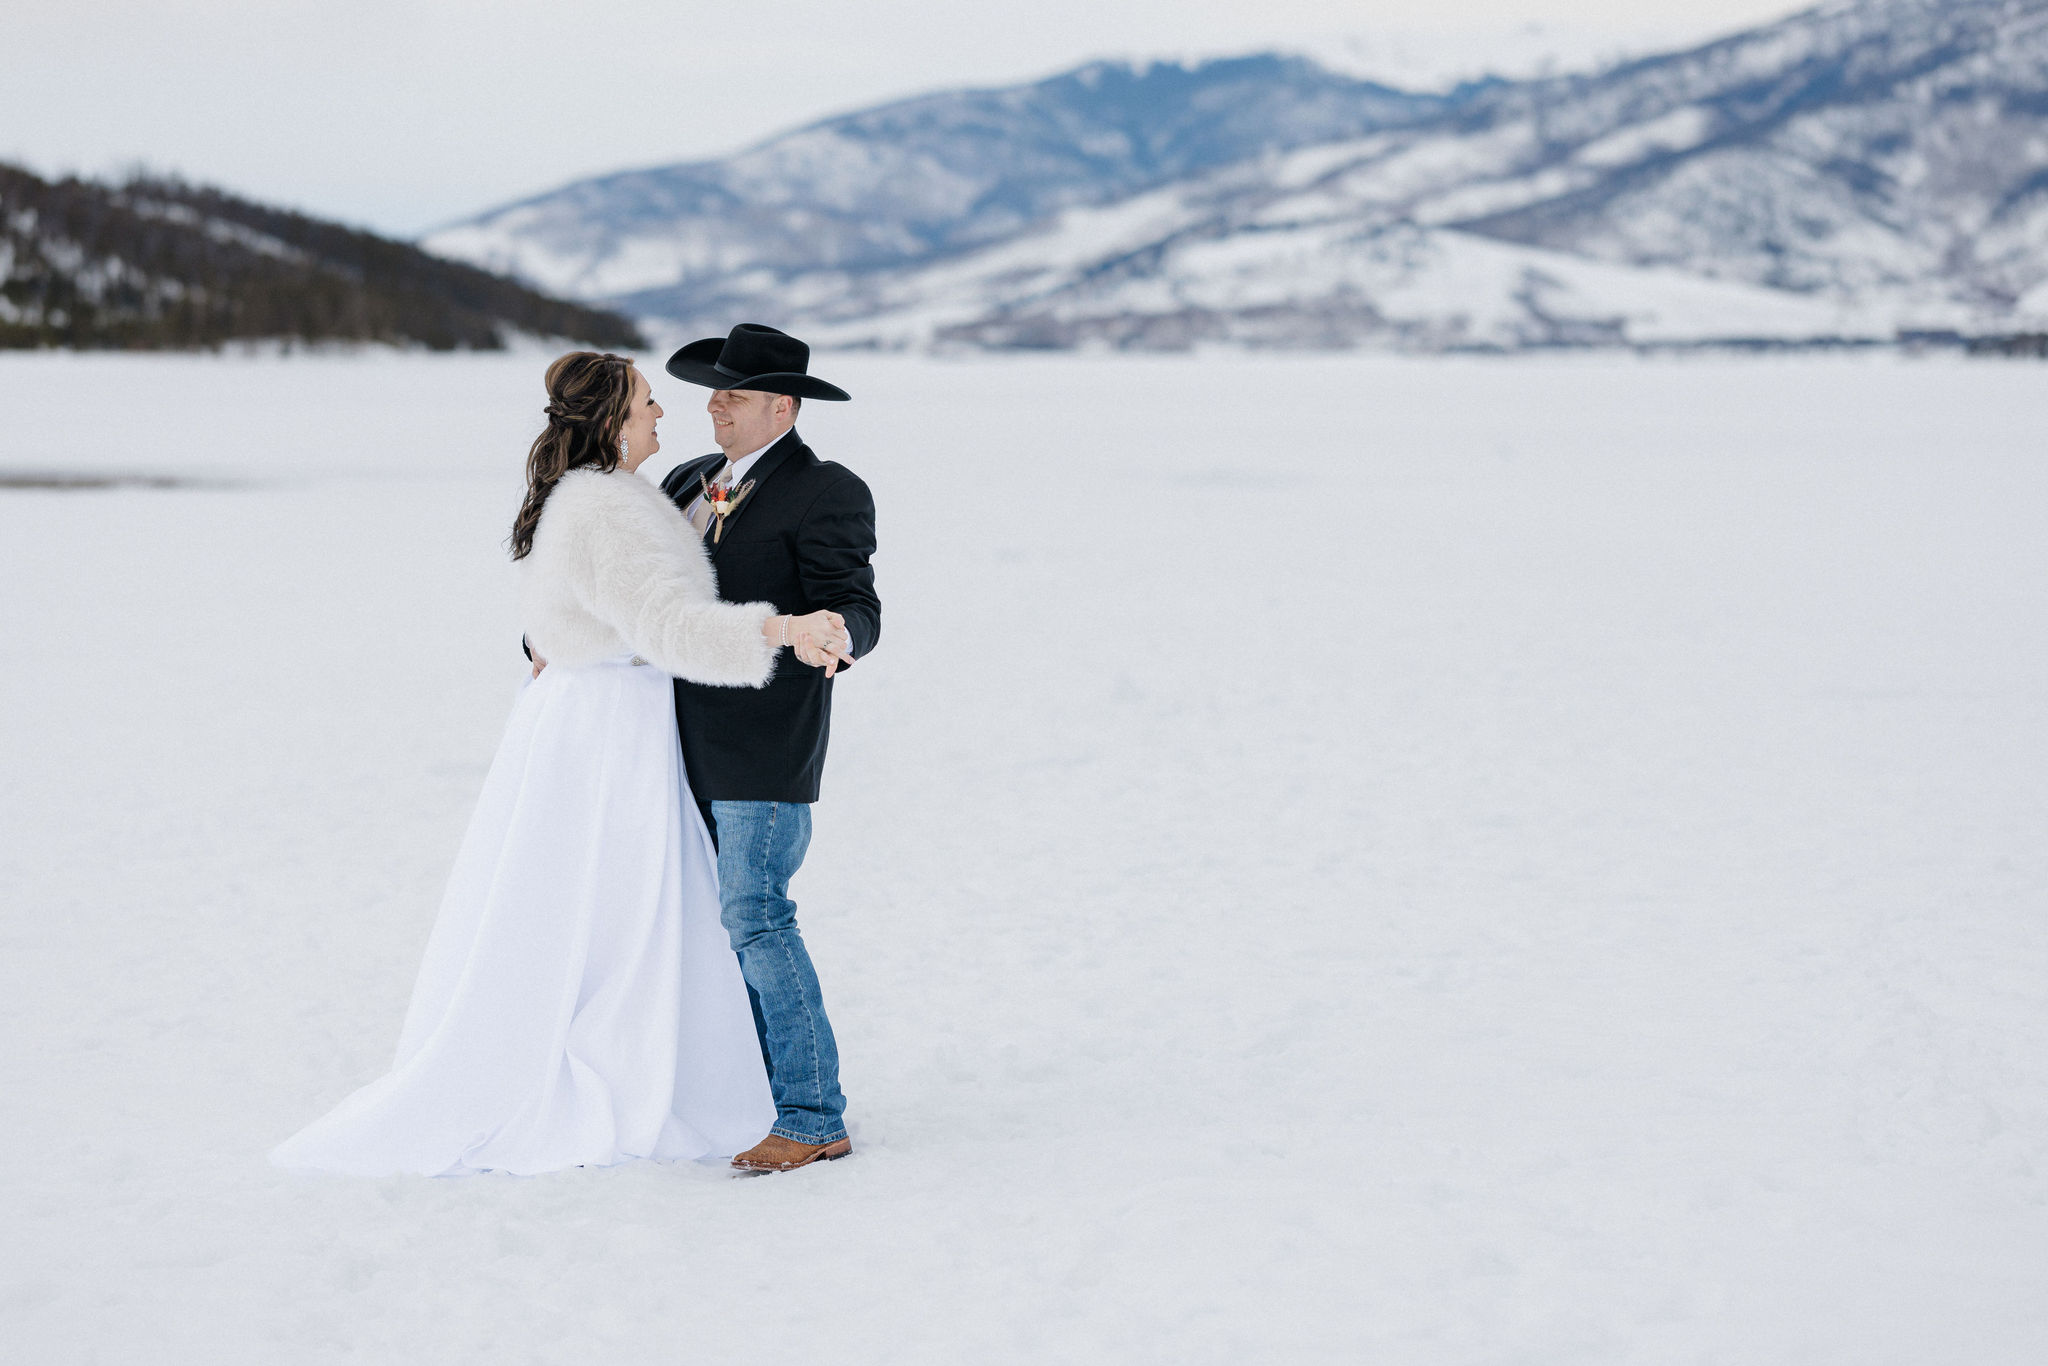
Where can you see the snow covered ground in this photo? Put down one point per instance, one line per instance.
(1335, 859)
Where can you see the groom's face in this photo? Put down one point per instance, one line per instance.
(745, 420)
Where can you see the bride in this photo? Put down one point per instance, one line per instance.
(579, 1003)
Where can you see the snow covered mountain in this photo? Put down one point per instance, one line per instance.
(1856, 170)
(913, 180)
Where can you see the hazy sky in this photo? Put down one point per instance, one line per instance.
(402, 114)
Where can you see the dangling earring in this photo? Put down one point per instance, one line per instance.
(624, 446)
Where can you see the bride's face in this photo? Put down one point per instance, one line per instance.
(641, 438)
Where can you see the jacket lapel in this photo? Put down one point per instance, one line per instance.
(762, 470)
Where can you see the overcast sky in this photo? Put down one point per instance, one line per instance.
(403, 114)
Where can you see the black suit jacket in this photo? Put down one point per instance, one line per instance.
(802, 539)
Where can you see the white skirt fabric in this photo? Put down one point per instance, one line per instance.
(580, 1003)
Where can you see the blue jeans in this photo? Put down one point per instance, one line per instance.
(760, 847)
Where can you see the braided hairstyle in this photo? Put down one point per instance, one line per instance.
(590, 396)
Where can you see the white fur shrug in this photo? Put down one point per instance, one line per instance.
(616, 568)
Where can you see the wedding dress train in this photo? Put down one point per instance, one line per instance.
(579, 1003)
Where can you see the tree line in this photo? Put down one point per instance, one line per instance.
(156, 263)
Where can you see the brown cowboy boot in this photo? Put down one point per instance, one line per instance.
(778, 1154)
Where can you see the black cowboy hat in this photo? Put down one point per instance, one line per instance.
(752, 356)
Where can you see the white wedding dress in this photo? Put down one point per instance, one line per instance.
(580, 1003)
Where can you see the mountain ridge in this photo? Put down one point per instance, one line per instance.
(1852, 172)
(929, 174)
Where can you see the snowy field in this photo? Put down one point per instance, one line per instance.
(1335, 860)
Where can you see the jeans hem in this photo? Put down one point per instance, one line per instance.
(795, 1137)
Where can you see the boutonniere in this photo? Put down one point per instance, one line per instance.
(722, 501)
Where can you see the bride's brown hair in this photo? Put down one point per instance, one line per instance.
(590, 395)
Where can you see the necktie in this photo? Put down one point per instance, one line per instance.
(701, 518)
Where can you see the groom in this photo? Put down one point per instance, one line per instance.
(780, 526)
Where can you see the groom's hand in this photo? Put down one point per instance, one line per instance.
(820, 641)
(538, 664)
(828, 660)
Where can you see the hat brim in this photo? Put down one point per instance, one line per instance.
(697, 363)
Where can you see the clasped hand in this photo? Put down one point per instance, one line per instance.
(820, 640)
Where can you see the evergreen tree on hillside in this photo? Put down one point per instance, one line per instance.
(157, 263)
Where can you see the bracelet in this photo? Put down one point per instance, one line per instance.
(785, 631)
